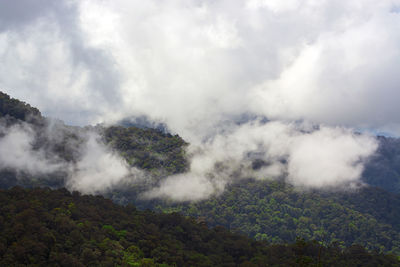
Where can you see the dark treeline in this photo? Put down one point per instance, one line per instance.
(54, 227)
(17, 109)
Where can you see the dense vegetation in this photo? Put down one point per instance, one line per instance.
(383, 169)
(44, 227)
(278, 213)
(17, 109)
(269, 211)
(148, 149)
(163, 153)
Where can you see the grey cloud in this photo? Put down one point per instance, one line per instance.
(51, 65)
(195, 65)
(14, 14)
(106, 60)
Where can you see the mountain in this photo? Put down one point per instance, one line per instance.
(18, 110)
(279, 213)
(383, 168)
(43, 227)
(265, 210)
(158, 153)
(148, 149)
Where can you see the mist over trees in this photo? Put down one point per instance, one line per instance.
(257, 118)
(270, 211)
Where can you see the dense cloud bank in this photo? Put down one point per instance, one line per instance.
(198, 65)
(192, 64)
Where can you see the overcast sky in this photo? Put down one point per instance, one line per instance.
(192, 62)
(198, 65)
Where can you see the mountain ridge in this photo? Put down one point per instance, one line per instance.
(371, 213)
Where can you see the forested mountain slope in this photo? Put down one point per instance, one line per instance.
(265, 210)
(44, 227)
(163, 153)
(148, 149)
(383, 169)
(279, 213)
(158, 153)
(13, 108)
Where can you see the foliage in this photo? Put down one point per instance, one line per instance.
(273, 212)
(148, 149)
(278, 213)
(19, 110)
(45, 227)
(383, 168)
(152, 150)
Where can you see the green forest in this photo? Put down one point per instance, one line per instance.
(278, 213)
(58, 228)
(252, 223)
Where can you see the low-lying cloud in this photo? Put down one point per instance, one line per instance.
(16, 151)
(302, 154)
(100, 169)
(85, 162)
(305, 156)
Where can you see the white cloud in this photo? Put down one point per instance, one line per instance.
(346, 78)
(17, 151)
(197, 65)
(95, 168)
(329, 157)
(323, 158)
(99, 169)
(192, 64)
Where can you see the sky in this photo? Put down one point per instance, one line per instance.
(317, 70)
